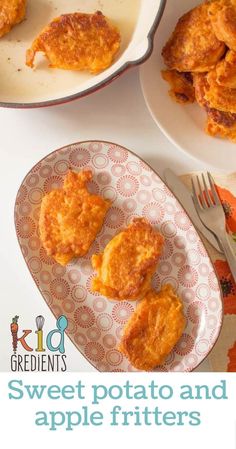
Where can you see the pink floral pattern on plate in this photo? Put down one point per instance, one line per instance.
(95, 324)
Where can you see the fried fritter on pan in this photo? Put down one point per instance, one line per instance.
(11, 13)
(77, 41)
(222, 14)
(153, 329)
(193, 46)
(125, 268)
(181, 86)
(70, 218)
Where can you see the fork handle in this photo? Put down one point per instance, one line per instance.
(228, 252)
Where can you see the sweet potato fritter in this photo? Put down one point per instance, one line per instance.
(125, 268)
(11, 13)
(210, 95)
(70, 218)
(226, 70)
(193, 46)
(153, 329)
(222, 14)
(219, 123)
(182, 90)
(77, 41)
(220, 97)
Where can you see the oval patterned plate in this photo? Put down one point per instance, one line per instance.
(95, 323)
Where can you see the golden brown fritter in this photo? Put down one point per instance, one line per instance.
(11, 13)
(70, 218)
(211, 95)
(182, 90)
(153, 329)
(226, 70)
(77, 41)
(222, 14)
(220, 97)
(193, 46)
(219, 123)
(125, 268)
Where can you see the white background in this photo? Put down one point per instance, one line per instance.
(118, 114)
(217, 430)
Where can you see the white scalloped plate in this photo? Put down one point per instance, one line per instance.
(95, 323)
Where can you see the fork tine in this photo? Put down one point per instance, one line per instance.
(208, 197)
(195, 196)
(202, 197)
(213, 190)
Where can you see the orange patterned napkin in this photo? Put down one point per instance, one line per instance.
(223, 356)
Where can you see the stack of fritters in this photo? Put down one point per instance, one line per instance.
(201, 60)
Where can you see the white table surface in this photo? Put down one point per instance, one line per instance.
(118, 114)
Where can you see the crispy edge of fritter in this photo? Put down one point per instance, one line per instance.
(181, 86)
(217, 128)
(200, 85)
(220, 97)
(219, 123)
(130, 293)
(226, 70)
(138, 325)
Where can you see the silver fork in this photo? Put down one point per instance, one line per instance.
(211, 213)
